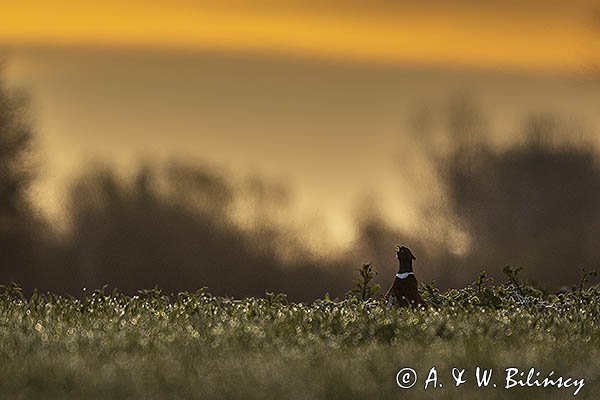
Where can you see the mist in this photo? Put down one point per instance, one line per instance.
(477, 202)
(531, 202)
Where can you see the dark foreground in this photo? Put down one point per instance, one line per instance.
(193, 345)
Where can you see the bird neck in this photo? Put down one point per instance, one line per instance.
(404, 266)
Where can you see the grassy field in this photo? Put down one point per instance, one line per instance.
(194, 345)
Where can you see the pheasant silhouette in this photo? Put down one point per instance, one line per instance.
(405, 290)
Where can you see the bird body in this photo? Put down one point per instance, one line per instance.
(405, 288)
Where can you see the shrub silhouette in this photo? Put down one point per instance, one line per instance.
(173, 226)
(21, 230)
(534, 204)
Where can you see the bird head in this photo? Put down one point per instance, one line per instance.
(405, 258)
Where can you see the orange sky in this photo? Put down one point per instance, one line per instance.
(526, 34)
(237, 108)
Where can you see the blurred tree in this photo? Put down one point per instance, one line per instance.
(173, 226)
(533, 204)
(17, 218)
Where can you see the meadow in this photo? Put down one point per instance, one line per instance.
(195, 345)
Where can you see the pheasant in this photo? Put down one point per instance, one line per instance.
(404, 291)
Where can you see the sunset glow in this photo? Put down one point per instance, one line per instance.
(552, 37)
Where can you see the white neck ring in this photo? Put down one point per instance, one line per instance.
(404, 275)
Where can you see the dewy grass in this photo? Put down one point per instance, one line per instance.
(194, 345)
